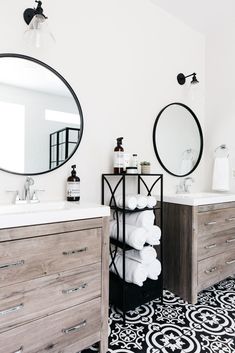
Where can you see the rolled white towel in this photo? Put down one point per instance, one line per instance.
(135, 272)
(151, 201)
(130, 202)
(142, 201)
(134, 236)
(154, 269)
(153, 235)
(145, 256)
(143, 219)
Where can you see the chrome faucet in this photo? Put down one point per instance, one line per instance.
(184, 185)
(27, 190)
(28, 196)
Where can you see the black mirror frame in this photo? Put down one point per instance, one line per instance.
(21, 56)
(200, 133)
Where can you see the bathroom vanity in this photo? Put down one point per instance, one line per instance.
(198, 242)
(53, 277)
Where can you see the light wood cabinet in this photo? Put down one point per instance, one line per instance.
(199, 247)
(54, 287)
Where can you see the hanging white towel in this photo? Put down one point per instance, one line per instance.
(134, 236)
(130, 202)
(154, 269)
(145, 256)
(220, 180)
(135, 272)
(153, 235)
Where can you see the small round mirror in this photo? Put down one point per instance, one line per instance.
(41, 118)
(178, 139)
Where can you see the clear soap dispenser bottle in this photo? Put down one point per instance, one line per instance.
(73, 186)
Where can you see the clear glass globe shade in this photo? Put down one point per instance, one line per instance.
(38, 34)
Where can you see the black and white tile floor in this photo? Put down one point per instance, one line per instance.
(176, 326)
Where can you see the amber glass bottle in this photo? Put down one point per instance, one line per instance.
(73, 186)
(118, 157)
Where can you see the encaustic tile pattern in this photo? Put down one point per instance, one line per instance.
(176, 326)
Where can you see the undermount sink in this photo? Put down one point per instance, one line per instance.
(199, 198)
(48, 212)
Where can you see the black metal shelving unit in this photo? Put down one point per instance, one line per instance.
(128, 296)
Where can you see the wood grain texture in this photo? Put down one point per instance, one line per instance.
(46, 295)
(48, 229)
(43, 256)
(216, 221)
(46, 334)
(105, 287)
(215, 206)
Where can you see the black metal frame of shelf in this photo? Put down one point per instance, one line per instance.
(150, 290)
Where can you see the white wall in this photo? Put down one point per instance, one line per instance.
(220, 98)
(122, 58)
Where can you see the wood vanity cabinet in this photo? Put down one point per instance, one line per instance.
(54, 287)
(199, 247)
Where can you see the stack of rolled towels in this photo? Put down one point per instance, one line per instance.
(140, 265)
(136, 201)
(141, 262)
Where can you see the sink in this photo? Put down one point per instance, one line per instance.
(199, 198)
(48, 212)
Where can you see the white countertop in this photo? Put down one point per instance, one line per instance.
(48, 212)
(200, 198)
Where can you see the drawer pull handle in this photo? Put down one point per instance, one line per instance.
(210, 223)
(74, 252)
(210, 246)
(19, 350)
(14, 264)
(73, 290)
(211, 270)
(11, 310)
(74, 328)
(230, 219)
(230, 240)
(230, 262)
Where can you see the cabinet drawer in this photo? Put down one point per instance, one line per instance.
(215, 221)
(68, 331)
(215, 243)
(26, 259)
(46, 295)
(215, 268)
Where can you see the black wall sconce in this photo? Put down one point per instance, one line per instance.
(181, 78)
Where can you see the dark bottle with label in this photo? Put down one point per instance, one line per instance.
(118, 157)
(73, 186)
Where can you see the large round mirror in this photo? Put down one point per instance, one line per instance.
(41, 118)
(177, 139)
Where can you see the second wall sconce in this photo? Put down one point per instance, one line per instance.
(181, 78)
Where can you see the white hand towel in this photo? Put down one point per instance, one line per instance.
(143, 219)
(154, 269)
(142, 201)
(135, 272)
(220, 180)
(135, 237)
(130, 202)
(145, 256)
(153, 235)
(151, 201)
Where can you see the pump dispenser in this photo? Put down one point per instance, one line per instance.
(119, 157)
(73, 186)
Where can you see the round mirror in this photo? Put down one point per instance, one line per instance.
(41, 117)
(177, 139)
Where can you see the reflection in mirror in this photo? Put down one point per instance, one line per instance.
(177, 139)
(41, 118)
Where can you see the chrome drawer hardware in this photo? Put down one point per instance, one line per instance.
(74, 328)
(73, 290)
(211, 270)
(19, 350)
(74, 252)
(210, 223)
(11, 310)
(230, 262)
(14, 264)
(230, 219)
(210, 246)
(230, 240)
